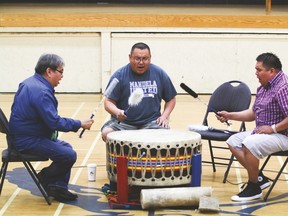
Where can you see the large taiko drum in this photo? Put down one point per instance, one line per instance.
(156, 157)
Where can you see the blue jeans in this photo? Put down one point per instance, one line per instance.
(61, 153)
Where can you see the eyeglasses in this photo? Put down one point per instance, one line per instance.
(138, 59)
(61, 72)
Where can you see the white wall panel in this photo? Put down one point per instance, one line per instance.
(203, 61)
(81, 52)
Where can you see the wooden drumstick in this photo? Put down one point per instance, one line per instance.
(108, 91)
(142, 155)
(134, 99)
(195, 95)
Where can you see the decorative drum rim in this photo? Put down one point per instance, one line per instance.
(167, 158)
(136, 136)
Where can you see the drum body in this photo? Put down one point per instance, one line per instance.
(156, 157)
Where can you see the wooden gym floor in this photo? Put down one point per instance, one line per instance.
(20, 196)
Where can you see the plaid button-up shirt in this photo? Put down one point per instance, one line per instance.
(271, 103)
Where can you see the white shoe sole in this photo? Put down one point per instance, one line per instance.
(236, 198)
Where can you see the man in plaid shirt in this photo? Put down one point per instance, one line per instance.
(270, 112)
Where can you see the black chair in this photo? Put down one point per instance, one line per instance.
(281, 153)
(12, 155)
(231, 96)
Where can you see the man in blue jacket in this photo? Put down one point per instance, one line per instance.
(34, 124)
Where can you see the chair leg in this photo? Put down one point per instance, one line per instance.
(33, 174)
(264, 164)
(212, 156)
(275, 180)
(228, 168)
(3, 174)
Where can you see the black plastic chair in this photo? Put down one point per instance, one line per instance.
(231, 96)
(281, 153)
(12, 155)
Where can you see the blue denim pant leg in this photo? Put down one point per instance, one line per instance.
(63, 157)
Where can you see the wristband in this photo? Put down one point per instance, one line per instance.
(274, 128)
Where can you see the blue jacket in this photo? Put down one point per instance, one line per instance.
(34, 112)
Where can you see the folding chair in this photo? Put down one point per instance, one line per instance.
(281, 153)
(12, 155)
(231, 96)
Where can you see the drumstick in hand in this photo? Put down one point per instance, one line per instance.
(195, 95)
(134, 99)
(108, 91)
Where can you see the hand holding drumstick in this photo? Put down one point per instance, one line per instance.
(134, 99)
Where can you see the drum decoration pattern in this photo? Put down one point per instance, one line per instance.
(156, 157)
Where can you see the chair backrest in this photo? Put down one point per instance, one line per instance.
(232, 96)
(5, 129)
(3, 123)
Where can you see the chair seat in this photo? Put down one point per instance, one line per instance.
(14, 157)
(281, 153)
(211, 135)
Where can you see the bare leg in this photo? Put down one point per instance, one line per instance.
(253, 168)
(248, 161)
(240, 155)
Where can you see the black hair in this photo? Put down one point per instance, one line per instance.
(141, 46)
(45, 61)
(270, 60)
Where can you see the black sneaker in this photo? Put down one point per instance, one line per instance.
(263, 181)
(252, 191)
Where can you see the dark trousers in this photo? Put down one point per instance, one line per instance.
(63, 157)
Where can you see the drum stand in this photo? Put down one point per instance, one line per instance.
(122, 201)
(122, 179)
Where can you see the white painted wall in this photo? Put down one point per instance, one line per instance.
(20, 52)
(202, 59)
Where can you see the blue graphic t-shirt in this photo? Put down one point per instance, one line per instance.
(156, 86)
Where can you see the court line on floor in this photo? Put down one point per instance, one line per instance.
(37, 164)
(16, 192)
(83, 164)
(239, 179)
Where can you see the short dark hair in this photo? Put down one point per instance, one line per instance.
(270, 60)
(48, 60)
(141, 46)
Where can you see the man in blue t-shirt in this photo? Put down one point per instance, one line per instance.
(156, 85)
